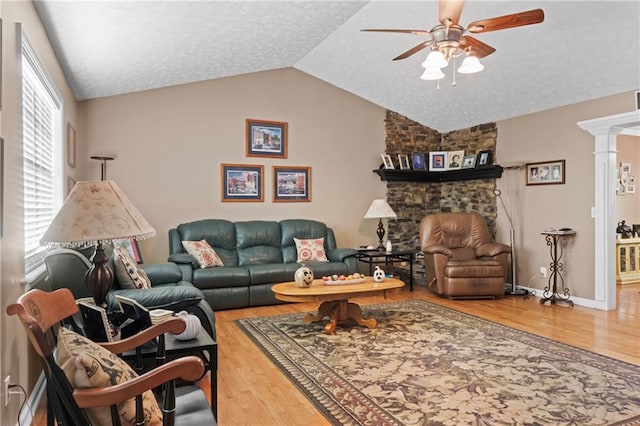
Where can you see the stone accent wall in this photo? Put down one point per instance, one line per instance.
(413, 200)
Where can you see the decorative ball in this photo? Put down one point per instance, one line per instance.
(303, 276)
(378, 275)
(193, 326)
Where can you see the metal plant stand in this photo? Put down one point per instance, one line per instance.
(556, 240)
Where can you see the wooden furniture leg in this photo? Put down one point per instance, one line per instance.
(339, 311)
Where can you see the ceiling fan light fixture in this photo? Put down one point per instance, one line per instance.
(470, 65)
(435, 59)
(432, 73)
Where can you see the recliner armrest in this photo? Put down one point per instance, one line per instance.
(173, 297)
(340, 254)
(492, 249)
(437, 249)
(162, 273)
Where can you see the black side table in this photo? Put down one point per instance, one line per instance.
(556, 240)
(378, 257)
(202, 346)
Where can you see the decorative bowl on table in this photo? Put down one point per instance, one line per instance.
(343, 279)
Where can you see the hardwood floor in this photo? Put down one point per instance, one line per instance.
(252, 391)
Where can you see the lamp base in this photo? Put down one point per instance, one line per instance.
(514, 290)
(380, 232)
(99, 277)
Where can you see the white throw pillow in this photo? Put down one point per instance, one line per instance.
(204, 254)
(310, 250)
(128, 273)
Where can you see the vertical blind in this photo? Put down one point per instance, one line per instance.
(41, 113)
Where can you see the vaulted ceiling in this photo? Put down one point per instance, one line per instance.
(583, 50)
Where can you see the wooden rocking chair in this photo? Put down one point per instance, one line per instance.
(42, 312)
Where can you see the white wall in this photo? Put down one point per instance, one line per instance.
(170, 143)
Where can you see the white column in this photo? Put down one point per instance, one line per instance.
(605, 131)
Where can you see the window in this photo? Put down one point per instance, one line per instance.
(41, 148)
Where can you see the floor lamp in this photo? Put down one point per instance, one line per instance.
(512, 289)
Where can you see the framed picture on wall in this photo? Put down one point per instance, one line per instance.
(387, 161)
(291, 183)
(483, 158)
(266, 138)
(242, 182)
(404, 162)
(71, 146)
(546, 173)
(437, 161)
(454, 159)
(417, 159)
(469, 161)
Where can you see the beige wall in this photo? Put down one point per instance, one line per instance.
(545, 136)
(628, 205)
(13, 348)
(170, 143)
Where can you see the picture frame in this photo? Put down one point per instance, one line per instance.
(266, 138)
(484, 158)
(387, 161)
(132, 247)
(404, 162)
(71, 182)
(638, 99)
(545, 173)
(71, 145)
(242, 182)
(291, 184)
(417, 159)
(437, 161)
(469, 161)
(454, 159)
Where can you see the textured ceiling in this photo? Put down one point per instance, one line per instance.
(583, 50)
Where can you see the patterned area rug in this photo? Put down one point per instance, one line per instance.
(429, 365)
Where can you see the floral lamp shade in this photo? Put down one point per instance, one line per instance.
(96, 212)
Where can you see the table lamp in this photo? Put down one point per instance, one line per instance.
(96, 213)
(380, 209)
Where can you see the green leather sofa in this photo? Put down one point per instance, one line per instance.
(256, 254)
(67, 267)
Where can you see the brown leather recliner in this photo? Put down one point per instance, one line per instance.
(460, 259)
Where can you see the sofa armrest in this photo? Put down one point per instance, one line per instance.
(162, 273)
(437, 249)
(340, 254)
(186, 263)
(492, 249)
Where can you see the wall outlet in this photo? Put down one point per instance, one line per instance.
(543, 272)
(7, 380)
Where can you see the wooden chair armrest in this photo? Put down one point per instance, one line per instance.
(173, 325)
(189, 368)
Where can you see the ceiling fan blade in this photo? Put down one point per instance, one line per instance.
(382, 30)
(413, 50)
(508, 21)
(478, 48)
(450, 11)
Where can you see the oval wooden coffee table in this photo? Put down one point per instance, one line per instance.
(333, 299)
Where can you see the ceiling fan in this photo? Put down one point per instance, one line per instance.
(448, 39)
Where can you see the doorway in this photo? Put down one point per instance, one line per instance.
(605, 131)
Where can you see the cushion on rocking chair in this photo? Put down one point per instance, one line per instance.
(87, 364)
